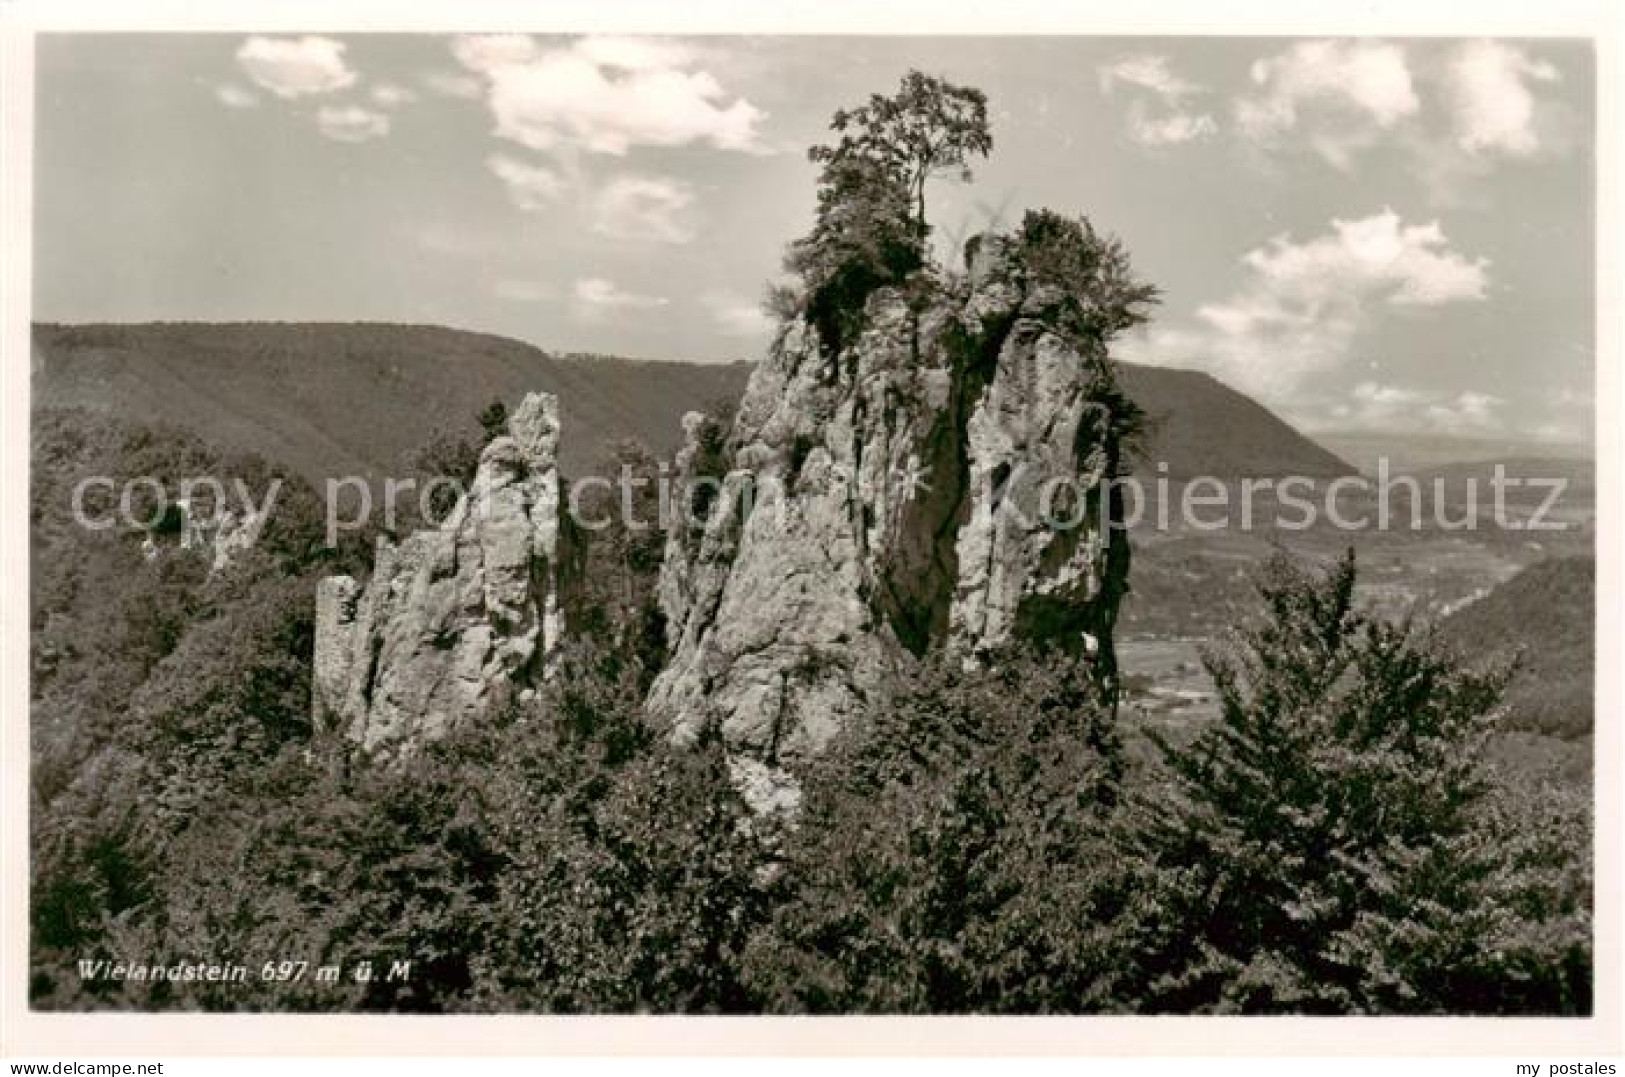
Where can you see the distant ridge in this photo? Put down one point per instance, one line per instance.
(353, 398)
(1419, 450)
(331, 399)
(1201, 426)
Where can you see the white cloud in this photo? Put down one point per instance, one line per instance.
(1376, 408)
(1301, 308)
(1151, 72)
(352, 123)
(1469, 411)
(1379, 256)
(738, 317)
(644, 208)
(597, 298)
(532, 187)
(604, 95)
(234, 96)
(391, 95)
(1452, 110)
(1157, 114)
(487, 52)
(293, 67)
(1173, 129)
(1337, 97)
(634, 208)
(1491, 105)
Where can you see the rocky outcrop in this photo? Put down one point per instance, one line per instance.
(220, 536)
(937, 482)
(774, 627)
(1036, 553)
(455, 621)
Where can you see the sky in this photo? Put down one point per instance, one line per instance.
(1367, 235)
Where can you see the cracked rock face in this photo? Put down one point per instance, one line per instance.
(885, 501)
(457, 620)
(1036, 556)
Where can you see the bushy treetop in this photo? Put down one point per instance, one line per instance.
(929, 127)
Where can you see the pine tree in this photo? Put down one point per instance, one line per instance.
(1331, 844)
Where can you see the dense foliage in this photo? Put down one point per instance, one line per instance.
(1094, 284)
(618, 542)
(158, 684)
(956, 853)
(1336, 842)
(928, 127)
(980, 844)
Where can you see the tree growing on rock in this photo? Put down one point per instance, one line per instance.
(870, 227)
(1095, 286)
(928, 128)
(494, 419)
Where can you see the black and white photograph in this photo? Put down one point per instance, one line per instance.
(554, 523)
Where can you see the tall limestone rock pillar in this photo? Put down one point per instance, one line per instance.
(1039, 552)
(938, 483)
(457, 620)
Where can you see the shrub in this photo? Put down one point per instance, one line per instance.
(954, 853)
(1331, 845)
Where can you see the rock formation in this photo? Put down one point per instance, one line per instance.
(936, 482)
(454, 621)
(220, 536)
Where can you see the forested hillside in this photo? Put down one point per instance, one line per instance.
(338, 399)
(1543, 619)
(352, 399)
